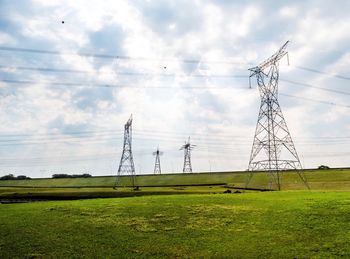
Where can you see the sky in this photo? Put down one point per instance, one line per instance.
(72, 73)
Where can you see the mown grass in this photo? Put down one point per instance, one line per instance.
(299, 224)
(84, 193)
(334, 179)
(99, 187)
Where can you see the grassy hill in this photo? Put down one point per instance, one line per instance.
(334, 179)
(298, 224)
(318, 179)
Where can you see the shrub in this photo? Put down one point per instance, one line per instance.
(12, 177)
(322, 167)
(71, 175)
(22, 177)
(8, 177)
(60, 176)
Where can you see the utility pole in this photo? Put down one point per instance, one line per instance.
(157, 169)
(126, 165)
(187, 156)
(273, 149)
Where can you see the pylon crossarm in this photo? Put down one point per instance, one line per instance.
(274, 58)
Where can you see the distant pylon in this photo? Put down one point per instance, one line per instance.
(126, 166)
(187, 156)
(157, 169)
(273, 149)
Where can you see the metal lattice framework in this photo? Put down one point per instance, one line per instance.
(157, 169)
(273, 149)
(126, 166)
(187, 156)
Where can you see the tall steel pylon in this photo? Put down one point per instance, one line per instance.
(187, 147)
(157, 169)
(126, 165)
(273, 149)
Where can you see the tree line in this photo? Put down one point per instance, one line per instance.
(23, 177)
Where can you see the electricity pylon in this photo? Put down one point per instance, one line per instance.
(187, 156)
(126, 166)
(273, 149)
(157, 169)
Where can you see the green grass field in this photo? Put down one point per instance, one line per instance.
(290, 180)
(334, 179)
(199, 222)
(295, 224)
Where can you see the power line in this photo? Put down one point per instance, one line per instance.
(11, 81)
(86, 132)
(227, 142)
(60, 138)
(322, 72)
(160, 87)
(316, 87)
(57, 70)
(125, 57)
(144, 135)
(315, 100)
(119, 57)
(226, 147)
(158, 75)
(87, 84)
(113, 132)
(114, 154)
(14, 162)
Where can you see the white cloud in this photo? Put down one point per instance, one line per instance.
(289, 11)
(219, 119)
